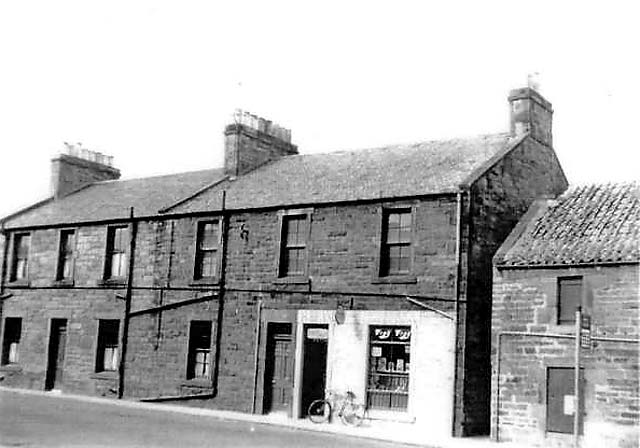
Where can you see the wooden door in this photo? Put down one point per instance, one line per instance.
(57, 344)
(560, 399)
(278, 384)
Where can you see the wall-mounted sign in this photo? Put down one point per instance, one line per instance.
(392, 334)
(317, 333)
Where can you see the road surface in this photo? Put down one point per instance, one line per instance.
(53, 421)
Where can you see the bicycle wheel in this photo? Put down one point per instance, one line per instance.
(319, 411)
(353, 414)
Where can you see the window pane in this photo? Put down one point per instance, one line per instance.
(208, 264)
(23, 246)
(21, 269)
(118, 264)
(389, 367)
(293, 255)
(121, 239)
(209, 235)
(66, 268)
(107, 356)
(11, 344)
(199, 349)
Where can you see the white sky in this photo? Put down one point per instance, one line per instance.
(153, 83)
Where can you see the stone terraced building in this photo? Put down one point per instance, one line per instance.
(582, 249)
(261, 285)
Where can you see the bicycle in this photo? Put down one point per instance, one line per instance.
(350, 413)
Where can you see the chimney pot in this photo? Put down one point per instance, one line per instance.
(77, 167)
(531, 113)
(252, 141)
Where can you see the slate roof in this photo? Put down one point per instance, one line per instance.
(586, 225)
(393, 171)
(112, 199)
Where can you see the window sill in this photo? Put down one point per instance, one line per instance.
(11, 368)
(293, 280)
(106, 375)
(18, 283)
(120, 282)
(393, 279)
(207, 281)
(62, 283)
(204, 383)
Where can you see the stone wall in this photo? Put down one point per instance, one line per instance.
(343, 252)
(526, 300)
(499, 198)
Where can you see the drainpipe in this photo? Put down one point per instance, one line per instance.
(127, 305)
(255, 357)
(458, 275)
(3, 269)
(223, 269)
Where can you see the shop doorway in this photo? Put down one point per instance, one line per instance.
(55, 364)
(314, 364)
(278, 377)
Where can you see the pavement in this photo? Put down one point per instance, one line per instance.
(272, 430)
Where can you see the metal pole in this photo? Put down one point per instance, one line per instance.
(256, 357)
(127, 306)
(576, 382)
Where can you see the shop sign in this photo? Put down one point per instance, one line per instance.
(392, 334)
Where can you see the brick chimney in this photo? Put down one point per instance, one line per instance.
(77, 167)
(251, 141)
(530, 112)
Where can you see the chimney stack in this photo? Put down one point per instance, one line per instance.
(251, 141)
(530, 112)
(76, 167)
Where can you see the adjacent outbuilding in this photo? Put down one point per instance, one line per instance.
(580, 250)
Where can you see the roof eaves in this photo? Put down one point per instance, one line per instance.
(536, 210)
(193, 195)
(489, 163)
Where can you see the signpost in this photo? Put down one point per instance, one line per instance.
(583, 341)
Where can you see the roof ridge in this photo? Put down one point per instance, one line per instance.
(399, 145)
(155, 176)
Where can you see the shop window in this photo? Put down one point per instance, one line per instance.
(11, 340)
(389, 365)
(116, 262)
(65, 255)
(569, 298)
(20, 265)
(207, 245)
(107, 356)
(395, 257)
(199, 358)
(293, 250)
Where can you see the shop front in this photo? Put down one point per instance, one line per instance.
(399, 364)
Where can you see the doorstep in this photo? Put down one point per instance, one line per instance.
(406, 433)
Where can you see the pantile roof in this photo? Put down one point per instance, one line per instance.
(590, 224)
(432, 167)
